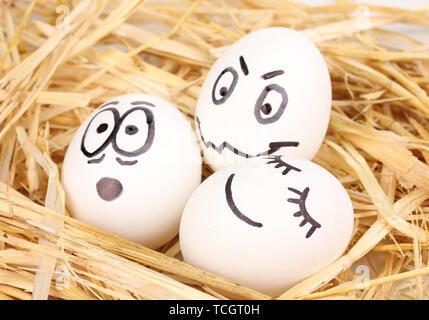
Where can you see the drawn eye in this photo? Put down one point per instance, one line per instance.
(224, 85)
(279, 163)
(303, 211)
(271, 104)
(98, 133)
(136, 132)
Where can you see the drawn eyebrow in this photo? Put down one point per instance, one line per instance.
(243, 66)
(126, 163)
(134, 103)
(108, 104)
(272, 74)
(97, 160)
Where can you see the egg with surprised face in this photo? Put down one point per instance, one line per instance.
(269, 226)
(269, 93)
(131, 167)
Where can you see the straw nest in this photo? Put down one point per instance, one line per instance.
(59, 60)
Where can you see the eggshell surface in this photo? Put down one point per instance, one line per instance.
(269, 226)
(269, 93)
(131, 167)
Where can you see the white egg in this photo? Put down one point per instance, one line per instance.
(131, 167)
(269, 226)
(269, 93)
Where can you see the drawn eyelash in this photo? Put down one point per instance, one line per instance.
(303, 211)
(280, 163)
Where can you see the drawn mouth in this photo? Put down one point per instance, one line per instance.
(273, 146)
(109, 189)
(233, 207)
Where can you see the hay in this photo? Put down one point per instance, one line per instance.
(54, 71)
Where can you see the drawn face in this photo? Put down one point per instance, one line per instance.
(129, 135)
(269, 93)
(300, 201)
(283, 220)
(128, 150)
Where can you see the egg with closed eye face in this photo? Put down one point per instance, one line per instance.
(267, 226)
(269, 93)
(131, 167)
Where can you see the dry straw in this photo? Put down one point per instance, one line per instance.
(60, 59)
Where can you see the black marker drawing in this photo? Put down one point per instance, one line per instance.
(266, 108)
(98, 160)
(130, 130)
(272, 74)
(109, 189)
(273, 146)
(233, 207)
(102, 127)
(115, 114)
(150, 135)
(225, 92)
(126, 163)
(279, 163)
(260, 106)
(303, 210)
(135, 103)
(243, 66)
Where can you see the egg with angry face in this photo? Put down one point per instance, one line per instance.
(131, 167)
(267, 226)
(269, 93)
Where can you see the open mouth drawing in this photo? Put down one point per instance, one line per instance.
(109, 189)
(272, 146)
